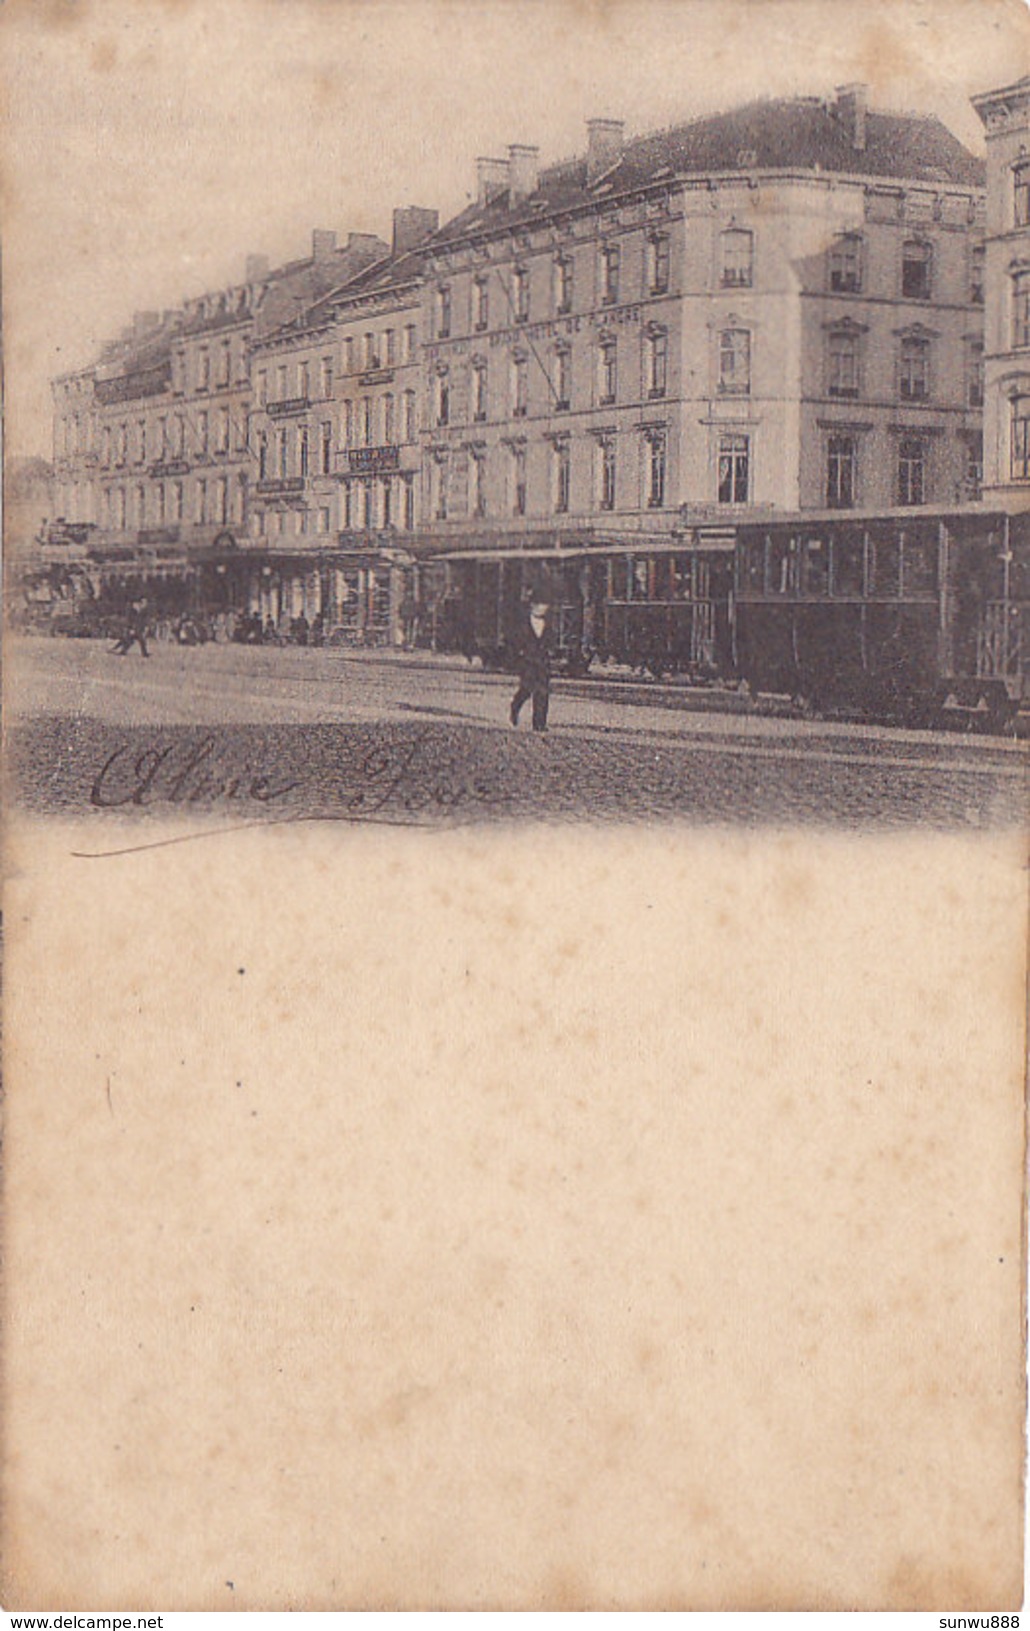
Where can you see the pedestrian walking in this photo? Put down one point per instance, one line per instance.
(534, 667)
(136, 630)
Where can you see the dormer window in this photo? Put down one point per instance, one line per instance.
(846, 264)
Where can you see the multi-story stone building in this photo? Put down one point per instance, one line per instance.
(152, 443)
(1006, 117)
(779, 307)
(335, 436)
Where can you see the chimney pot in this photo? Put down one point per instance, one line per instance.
(491, 179)
(323, 244)
(851, 111)
(604, 145)
(411, 226)
(523, 168)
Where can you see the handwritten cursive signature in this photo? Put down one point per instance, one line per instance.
(407, 775)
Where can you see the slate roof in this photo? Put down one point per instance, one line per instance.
(390, 272)
(805, 133)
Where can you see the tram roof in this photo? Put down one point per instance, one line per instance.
(910, 513)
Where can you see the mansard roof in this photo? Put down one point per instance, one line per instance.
(805, 133)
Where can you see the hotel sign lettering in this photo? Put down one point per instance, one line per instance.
(369, 460)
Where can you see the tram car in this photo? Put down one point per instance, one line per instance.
(917, 616)
(656, 607)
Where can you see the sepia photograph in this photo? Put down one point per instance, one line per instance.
(516, 601)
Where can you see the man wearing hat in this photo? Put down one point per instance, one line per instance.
(534, 666)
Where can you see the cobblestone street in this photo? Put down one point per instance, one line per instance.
(292, 734)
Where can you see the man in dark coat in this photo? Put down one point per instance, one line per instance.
(534, 668)
(136, 630)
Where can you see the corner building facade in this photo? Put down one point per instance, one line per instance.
(778, 308)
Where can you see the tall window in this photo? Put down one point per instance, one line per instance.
(201, 501)
(203, 369)
(326, 376)
(389, 422)
(843, 371)
(657, 362)
(658, 263)
(478, 472)
(479, 381)
(735, 362)
(1021, 310)
(326, 456)
(386, 501)
(303, 450)
(914, 374)
(222, 500)
(977, 258)
(408, 512)
(563, 285)
(563, 379)
(734, 469)
(348, 424)
(410, 342)
(222, 445)
(123, 444)
(606, 457)
(480, 303)
(105, 445)
(371, 352)
(562, 466)
(520, 386)
(284, 453)
(610, 256)
(520, 293)
(518, 477)
(390, 343)
(348, 357)
(281, 383)
(975, 374)
(1021, 195)
(178, 500)
(841, 472)
(656, 456)
(141, 506)
(737, 258)
(224, 363)
(915, 270)
(202, 432)
(1020, 463)
(974, 472)
(410, 424)
(262, 387)
(443, 398)
(911, 470)
(304, 387)
(367, 421)
(263, 456)
(141, 440)
(846, 264)
(609, 365)
(443, 311)
(440, 474)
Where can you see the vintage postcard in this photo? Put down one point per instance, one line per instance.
(516, 698)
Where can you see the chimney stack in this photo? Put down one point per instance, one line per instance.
(491, 179)
(851, 110)
(523, 165)
(143, 322)
(604, 146)
(257, 268)
(412, 226)
(323, 245)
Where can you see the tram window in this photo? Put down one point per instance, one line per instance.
(816, 566)
(681, 577)
(782, 552)
(848, 573)
(753, 564)
(639, 591)
(886, 564)
(620, 579)
(920, 563)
